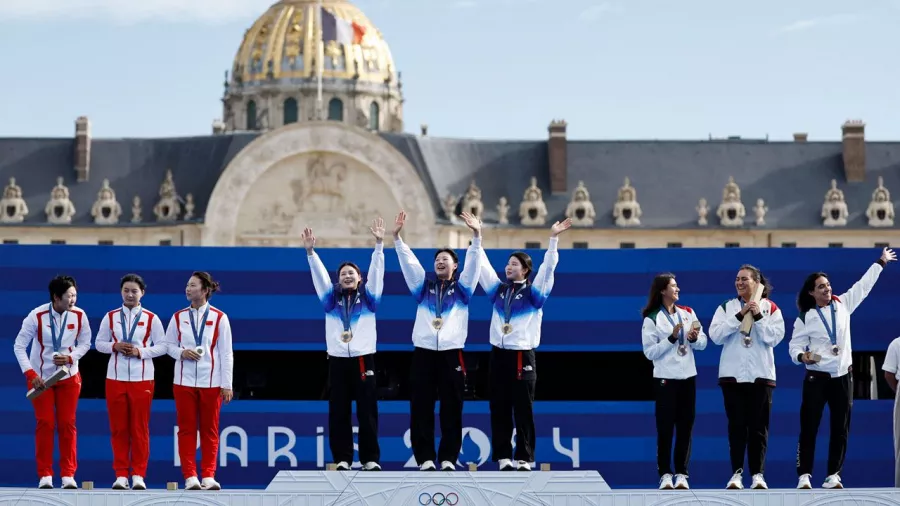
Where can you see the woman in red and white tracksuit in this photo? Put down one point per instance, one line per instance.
(59, 334)
(134, 336)
(199, 339)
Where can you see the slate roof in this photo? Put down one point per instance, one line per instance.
(669, 176)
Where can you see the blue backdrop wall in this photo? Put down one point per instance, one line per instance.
(594, 306)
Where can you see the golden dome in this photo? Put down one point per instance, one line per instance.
(284, 46)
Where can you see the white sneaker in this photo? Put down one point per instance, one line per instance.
(507, 465)
(524, 466)
(804, 482)
(372, 466)
(681, 482)
(665, 482)
(448, 466)
(759, 482)
(69, 482)
(46, 482)
(210, 483)
(833, 481)
(137, 483)
(342, 466)
(736, 482)
(427, 466)
(121, 483)
(192, 483)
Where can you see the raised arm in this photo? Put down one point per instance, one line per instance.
(321, 278)
(20, 347)
(158, 347)
(375, 276)
(543, 281)
(860, 290)
(104, 343)
(412, 270)
(468, 279)
(488, 276)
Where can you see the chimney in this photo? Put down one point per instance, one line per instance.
(424, 130)
(82, 148)
(800, 136)
(854, 139)
(557, 148)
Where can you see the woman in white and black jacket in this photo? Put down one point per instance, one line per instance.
(351, 339)
(438, 371)
(821, 341)
(747, 372)
(515, 333)
(670, 335)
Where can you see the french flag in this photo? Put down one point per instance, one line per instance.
(340, 30)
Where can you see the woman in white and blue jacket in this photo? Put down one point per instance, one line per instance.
(515, 333)
(350, 337)
(438, 370)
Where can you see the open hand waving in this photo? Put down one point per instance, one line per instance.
(309, 240)
(377, 229)
(398, 223)
(560, 227)
(472, 222)
(888, 255)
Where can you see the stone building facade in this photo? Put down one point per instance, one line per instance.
(280, 159)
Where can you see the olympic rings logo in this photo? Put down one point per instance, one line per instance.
(438, 499)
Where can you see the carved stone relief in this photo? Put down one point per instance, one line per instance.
(702, 213)
(731, 210)
(472, 201)
(834, 209)
(627, 210)
(59, 208)
(580, 208)
(760, 211)
(881, 210)
(334, 195)
(136, 210)
(532, 210)
(14, 208)
(106, 209)
(168, 207)
(503, 211)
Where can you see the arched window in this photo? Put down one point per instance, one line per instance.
(290, 111)
(374, 116)
(251, 115)
(336, 110)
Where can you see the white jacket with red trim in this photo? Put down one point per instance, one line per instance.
(215, 369)
(149, 337)
(76, 340)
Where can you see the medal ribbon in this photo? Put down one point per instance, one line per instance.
(126, 336)
(832, 331)
(672, 322)
(439, 307)
(510, 296)
(347, 311)
(198, 338)
(57, 340)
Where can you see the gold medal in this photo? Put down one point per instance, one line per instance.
(507, 328)
(346, 336)
(437, 323)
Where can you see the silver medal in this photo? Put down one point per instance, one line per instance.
(199, 350)
(682, 350)
(747, 341)
(835, 350)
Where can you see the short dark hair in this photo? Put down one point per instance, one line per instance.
(525, 260)
(448, 251)
(60, 285)
(133, 278)
(207, 282)
(351, 264)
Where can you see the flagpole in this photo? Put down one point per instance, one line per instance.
(320, 62)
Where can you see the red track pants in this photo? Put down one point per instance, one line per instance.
(57, 407)
(193, 405)
(128, 403)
